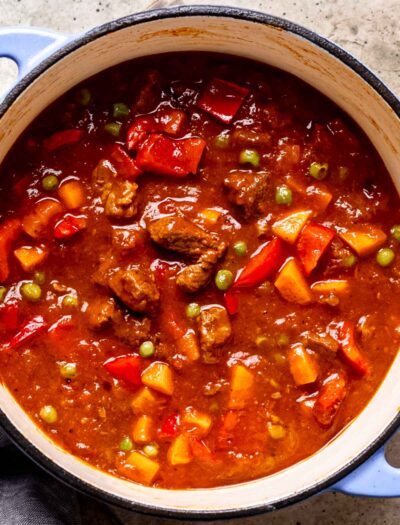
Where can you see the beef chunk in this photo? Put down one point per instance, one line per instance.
(131, 330)
(215, 330)
(135, 288)
(182, 236)
(249, 191)
(196, 276)
(119, 196)
(127, 239)
(101, 312)
(335, 257)
(321, 340)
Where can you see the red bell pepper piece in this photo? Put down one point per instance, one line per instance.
(9, 313)
(27, 332)
(350, 350)
(9, 232)
(127, 368)
(222, 99)
(125, 165)
(57, 329)
(69, 226)
(169, 429)
(262, 264)
(331, 396)
(231, 302)
(62, 138)
(312, 243)
(165, 156)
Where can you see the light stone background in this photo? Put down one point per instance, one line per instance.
(370, 29)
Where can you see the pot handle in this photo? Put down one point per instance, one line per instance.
(374, 478)
(28, 46)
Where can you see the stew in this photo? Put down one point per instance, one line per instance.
(199, 259)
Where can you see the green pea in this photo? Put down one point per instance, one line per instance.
(126, 444)
(221, 141)
(223, 279)
(395, 232)
(193, 310)
(31, 292)
(249, 156)
(50, 183)
(349, 261)
(113, 128)
(84, 96)
(283, 195)
(318, 171)
(282, 339)
(70, 301)
(3, 292)
(49, 414)
(240, 248)
(146, 349)
(120, 110)
(262, 341)
(68, 370)
(39, 277)
(385, 257)
(151, 450)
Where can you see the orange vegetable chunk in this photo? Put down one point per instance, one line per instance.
(201, 420)
(72, 194)
(303, 366)
(180, 451)
(143, 469)
(159, 376)
(350, 350)
(292, 285)
(189, 346)
(365, 239)
(36, 222)
(331, 286)
(144, 401)
(242, 383)
(331, 396)
(30, 256)
(143, 429)
(289, 227)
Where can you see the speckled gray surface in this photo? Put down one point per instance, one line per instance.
(370, 29)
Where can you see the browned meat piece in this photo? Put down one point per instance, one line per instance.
(135, 288)
(119, 197)
(196, 276)
(131, 330)
(127, 239)
(182, 236)
(321, 340)
(249, 191)
(101, 312)
(335, 257)
(149, 92)
(215, 330)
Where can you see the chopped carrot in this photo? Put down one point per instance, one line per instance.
(180, 451)
(292, 285)
(30, 256)
(210, 216)
(331, 286)
(188, 345)
(303, 366)
(241, 387)
(200, 420)
(350, 350)
(144, 401)
(312, 243)
(143, 429)
(317, 195)
(140, 468)
(331, 396)
(290, 225)
(365, 239)
(159, 376)
(9, 232)
(72, 194)
(36, 222)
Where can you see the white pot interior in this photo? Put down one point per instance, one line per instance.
(322, 70)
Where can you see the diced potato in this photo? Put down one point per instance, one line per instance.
(292, 285)
(276, 431)
(200, 420)
(72, 194)
(35, 223)
(242, 382)
(144, 401)
(303, 366)
(30, 256)
(159, 376)
(210, 216)
(289, 227)
(189, 346)
(331, 286)
(143, 429)
(180, 452)
(364, 240)
(144, 469)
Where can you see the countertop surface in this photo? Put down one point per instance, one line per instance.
(369, 29)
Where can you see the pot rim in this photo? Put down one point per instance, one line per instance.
(180, 12)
